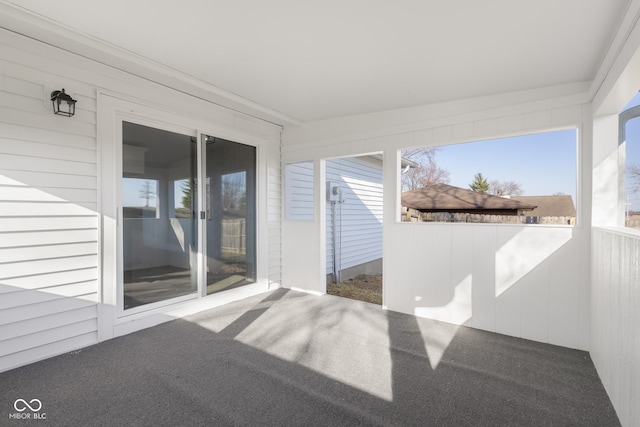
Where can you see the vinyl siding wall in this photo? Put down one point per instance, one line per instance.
(49, 269)
(299, 191)
(359, 217)
(50, 213)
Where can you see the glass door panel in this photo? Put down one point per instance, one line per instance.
(159, 226)
(230, 214)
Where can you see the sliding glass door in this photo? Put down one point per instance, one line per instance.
(230, 213)
(166, 213)
(159, 227)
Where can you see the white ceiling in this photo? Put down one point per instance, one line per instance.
(313, 60)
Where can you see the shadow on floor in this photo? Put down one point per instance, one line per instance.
(287, 358)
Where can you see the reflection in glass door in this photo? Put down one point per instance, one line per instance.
(159, 226)
(230, 214)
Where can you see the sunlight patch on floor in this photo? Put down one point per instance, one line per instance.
(327, 340)
(457, 312)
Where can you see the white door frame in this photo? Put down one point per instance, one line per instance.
(113, 110)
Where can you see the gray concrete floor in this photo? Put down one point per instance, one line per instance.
(288, 358)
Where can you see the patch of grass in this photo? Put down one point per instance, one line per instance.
(363, 288)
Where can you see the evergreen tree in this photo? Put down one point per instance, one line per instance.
(147, 192)
(186, 194)
(479, 184)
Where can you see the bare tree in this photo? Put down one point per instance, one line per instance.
(418, 153)
(426, 173)
(233, 192)
(505, 188)
(633, 173)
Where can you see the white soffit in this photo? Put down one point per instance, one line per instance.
(312, 60)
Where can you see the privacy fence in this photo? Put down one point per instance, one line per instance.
(412, 215)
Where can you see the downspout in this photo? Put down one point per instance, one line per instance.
(334, 242)
(335, 193)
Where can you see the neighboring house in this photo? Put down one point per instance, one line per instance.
(447, 198)
(550, 206)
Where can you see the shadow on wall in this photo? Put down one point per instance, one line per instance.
(344, 363)
(520, 281)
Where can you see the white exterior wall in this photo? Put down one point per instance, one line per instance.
(359, 217)
(616, 318)
(52, 296)
(298, 199)
(529, 281)
(49, 222)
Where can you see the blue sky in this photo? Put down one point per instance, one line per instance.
(633, 156)
(633, 150)
(543, 163)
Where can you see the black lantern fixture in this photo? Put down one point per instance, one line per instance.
(63, 104)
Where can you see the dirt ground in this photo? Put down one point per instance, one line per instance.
(363, 287)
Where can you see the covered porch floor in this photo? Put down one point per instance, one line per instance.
(289, 358)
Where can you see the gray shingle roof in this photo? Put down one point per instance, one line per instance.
(561, 205)
(444, 197)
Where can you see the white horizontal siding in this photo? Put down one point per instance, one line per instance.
(49, 180)
(47, 223)
(42, 266)
(48, 336)
(85, 275)
(16, 315)
(49, 194)
(48, 213)
(299, 191)
(44, 194)
(31, 326)
(274, 215)
(29, 297)
(40, 351)
(40, 164)
(46, 237)
(29, 208)
(359, 218)
(44, 150)
(69, 250)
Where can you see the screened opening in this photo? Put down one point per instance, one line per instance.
(528, 179)
(630, 161)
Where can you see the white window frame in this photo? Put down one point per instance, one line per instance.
(623, 118)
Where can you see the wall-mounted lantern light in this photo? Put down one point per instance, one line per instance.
(63, 104)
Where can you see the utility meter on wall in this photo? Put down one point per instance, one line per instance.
(334, 192)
